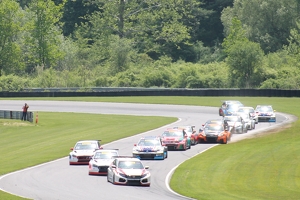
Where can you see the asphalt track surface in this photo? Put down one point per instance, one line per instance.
(57, 180)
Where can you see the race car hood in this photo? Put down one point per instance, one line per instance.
(234, 124)
(172, 138)
(265, 113)
(102, 162)
(212, 132)
(133, 172)
(147, 148)
(83, 152)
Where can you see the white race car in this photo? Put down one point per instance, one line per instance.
(128, 171)
(83, 151)
(265, 113)
(101, 160)
(150, 147)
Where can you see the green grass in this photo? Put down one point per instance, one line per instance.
(266, 167)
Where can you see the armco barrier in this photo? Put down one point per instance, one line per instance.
(112, 92)
(9, 114)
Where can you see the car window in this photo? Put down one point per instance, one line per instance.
(148, 142)
(105, 155)
(130, 165)
(214, 128)
(85, 146)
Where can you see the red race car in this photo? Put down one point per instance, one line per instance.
(176, 139)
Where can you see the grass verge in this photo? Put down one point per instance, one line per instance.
(267, 167)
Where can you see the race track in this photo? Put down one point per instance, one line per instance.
(57, 180)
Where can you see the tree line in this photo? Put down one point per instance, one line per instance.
(142, 43)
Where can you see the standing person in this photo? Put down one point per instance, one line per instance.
(25, 108)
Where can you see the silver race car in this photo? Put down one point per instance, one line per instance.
(101, 160)
(236, 124)
(128, 171)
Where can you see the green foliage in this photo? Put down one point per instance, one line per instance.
(10, 26)
(267, 22)
(13, 83)
(45, 32)
(286, 78)
(243, 56)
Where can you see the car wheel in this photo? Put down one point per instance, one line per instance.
(166, 154)
(224, 142)
(114, 181)
(107, 178)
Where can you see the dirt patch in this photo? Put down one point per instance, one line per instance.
(274, 129)
(16, 124)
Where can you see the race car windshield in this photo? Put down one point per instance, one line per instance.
(234, 107)
(148, 143)
(232, 119)
(130, 165)
(172, 134)
(265, 109)
(105, 155)
(85, 146)
(214, 128)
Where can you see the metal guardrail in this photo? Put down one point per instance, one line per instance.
(9, 114)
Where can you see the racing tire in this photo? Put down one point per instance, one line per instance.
(189, 147)
(222, 142)
(113, 181)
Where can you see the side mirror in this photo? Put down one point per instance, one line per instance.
(72, 148)
(134, 145)
(146, 167)
(113, 166)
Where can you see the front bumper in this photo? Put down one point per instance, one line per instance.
(132, 180)
(149, 155)
(266, 118)
(79, 160)
(97, 170)
(176, 146)
(213, 138)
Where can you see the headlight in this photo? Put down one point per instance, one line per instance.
(144, 175)
(123, 175)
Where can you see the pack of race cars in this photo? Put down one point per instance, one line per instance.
(129, 170)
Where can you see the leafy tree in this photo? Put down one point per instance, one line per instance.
(10, 26)
(243, 56)
(44, 32)
(211, 28)
(156, 27)
(267, 22)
